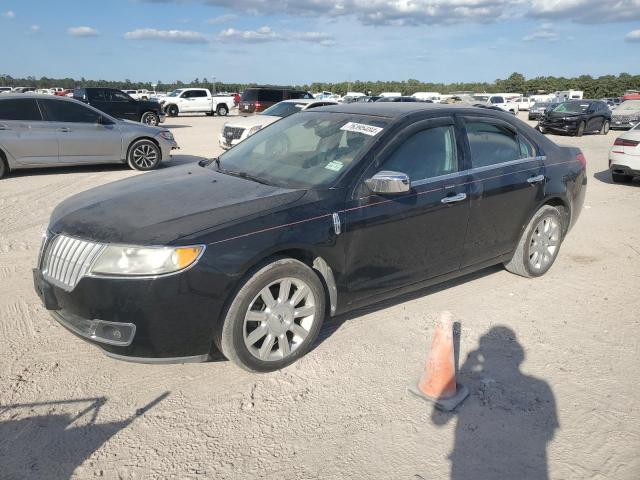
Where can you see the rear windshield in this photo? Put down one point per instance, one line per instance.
(283, 109)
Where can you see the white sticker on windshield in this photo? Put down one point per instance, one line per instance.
(334, 165)
(362, 128)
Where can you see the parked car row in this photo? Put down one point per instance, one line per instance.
(46, 131)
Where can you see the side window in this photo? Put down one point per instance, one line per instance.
(268, 95)
(63, 111)
(187, 94)
(98, 95)
(526, 148)
(492, 144)
(25, 109)
(497, 100)
(426, 154)
(198, 93)
(117, 96)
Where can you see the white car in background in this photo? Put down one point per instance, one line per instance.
(524, 103)
(624, 156)
(196, 100)
(233, 132)
(497, 101)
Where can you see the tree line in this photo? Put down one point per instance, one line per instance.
(593, 87)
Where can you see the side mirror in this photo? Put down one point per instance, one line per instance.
(388, 183)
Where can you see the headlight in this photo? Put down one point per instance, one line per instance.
(253, 130)
(126, 260)
(167, 135)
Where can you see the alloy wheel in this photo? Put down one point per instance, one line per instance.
(544, 244)
(144, 156)
(150, 119)
(279, 319)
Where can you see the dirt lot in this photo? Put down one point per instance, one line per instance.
(552, 365)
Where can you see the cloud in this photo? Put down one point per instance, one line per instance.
(266, 34)
(544, 34)
(421, 12)
(33, 29)
(633, 36)
(177, 36)
(82, 32)
(9, 14)
(222, 19)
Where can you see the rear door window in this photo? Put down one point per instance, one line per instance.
(492, 143)
(24, 109)
(118, 96)
(98, 95)
(69, 112)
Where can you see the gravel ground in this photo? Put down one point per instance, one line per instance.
(549, 363)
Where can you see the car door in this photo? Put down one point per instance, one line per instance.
(187, 101)
(506, 180)
(122, 105)
(84, 134)
(24, 135)
(396, 240)
(100, 98)
(202, 102)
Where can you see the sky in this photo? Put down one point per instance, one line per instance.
(302, 41)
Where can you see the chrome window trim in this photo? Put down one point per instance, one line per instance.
(473, 171)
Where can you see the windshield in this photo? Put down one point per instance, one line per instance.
(306, 150)
(540, 105)
(572, 107)
(283, 109)
(175, 93)
(630, 105)
(480, 98)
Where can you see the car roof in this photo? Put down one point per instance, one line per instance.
(307, 101)
(401, 109)
(36, 96)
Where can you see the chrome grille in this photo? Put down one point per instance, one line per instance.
(623, 118)
(66, 260)
(232, 133)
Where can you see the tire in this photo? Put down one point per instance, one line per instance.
(4, 169)
(524, 260)
(222, 110)
(150, 118)
(172, 110)
(605, 127)
(271, 324)
(144, 155)
(543, 130)
(616, 177)
(580, 130)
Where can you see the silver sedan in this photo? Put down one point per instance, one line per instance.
(38, 131)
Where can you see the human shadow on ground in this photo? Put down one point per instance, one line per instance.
(54, 444)
(503, 429)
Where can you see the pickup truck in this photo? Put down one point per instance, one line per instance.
(497, 101)
(120, 105)
(196, 100)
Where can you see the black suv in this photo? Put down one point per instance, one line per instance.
(257, 99)
(120, 105)
(577, 117)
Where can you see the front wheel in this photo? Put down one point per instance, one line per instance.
(605, 127)
(172, 110)
(274, 317)
(222, 110)
(580, 130)
(144, 155)
(539, 245)
(150, 118)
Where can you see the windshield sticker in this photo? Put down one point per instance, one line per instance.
(361, 128)
(334, 165)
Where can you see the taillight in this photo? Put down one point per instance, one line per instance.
(258, 104)
(581, 158)
(623, 142)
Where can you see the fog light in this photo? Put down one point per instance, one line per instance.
(113, 333)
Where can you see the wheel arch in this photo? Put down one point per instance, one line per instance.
(5, 161)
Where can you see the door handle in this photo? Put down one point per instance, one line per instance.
(64, 129)
(454, 198)
(536, 179)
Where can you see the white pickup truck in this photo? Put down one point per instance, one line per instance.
(196, 100)
(497, 100)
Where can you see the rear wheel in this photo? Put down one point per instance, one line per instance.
(539, 245)
(150, 118)
(3, 166)
(621, 178)
(274, 318)
(144, 155)
(605, 127)
(580, 130)
(222, 110)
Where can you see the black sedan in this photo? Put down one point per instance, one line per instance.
(577, 117)
(319, 213)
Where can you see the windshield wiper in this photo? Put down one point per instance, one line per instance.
(244, 175)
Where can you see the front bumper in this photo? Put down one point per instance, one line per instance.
(560, 127)
(622, 124)
(166, 146)
(227, 143)
(166, 319)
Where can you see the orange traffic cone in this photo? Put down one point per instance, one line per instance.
(438, 382)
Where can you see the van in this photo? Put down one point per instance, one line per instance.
(257, 99)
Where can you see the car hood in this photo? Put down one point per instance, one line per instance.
(252, 121)
(160, 207)
(626, 113)
(562, 114)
